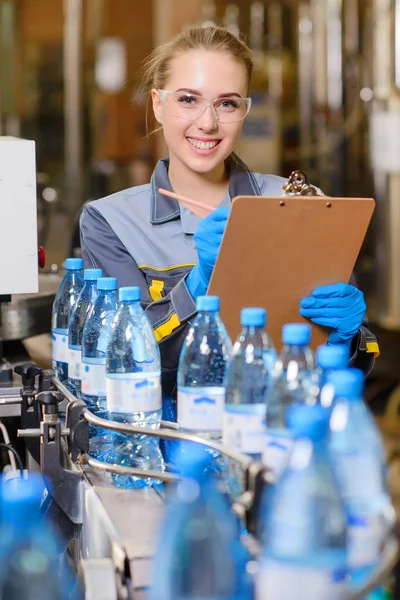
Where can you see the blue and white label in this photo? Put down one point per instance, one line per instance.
(201, 409)
(286, 581)
(243, 427)
(94, 379)
(133, 392)
(365, 536)
(74, 363)
(352, 467)
(276, 452)
(60, 345)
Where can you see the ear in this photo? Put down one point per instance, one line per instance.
(157, 105)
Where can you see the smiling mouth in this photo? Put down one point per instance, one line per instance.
(203, 145)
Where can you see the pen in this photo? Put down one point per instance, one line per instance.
(186, 200)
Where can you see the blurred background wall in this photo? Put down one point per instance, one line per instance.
(325, 99)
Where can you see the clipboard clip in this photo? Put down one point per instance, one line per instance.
(298, 184)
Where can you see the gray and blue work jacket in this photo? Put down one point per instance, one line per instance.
(145, 239)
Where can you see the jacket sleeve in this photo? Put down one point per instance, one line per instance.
(364, 347)
(169, 316)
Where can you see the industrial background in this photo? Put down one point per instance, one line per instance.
(325, 99)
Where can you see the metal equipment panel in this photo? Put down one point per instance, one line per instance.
(18, 223)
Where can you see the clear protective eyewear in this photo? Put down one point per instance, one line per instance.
(188, 106)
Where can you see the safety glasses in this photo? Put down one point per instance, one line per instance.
(188, 106)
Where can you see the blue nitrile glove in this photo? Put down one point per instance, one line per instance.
(207, 239)
(339, 306)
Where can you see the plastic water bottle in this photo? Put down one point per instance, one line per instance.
(199, 553)
(246, 382)
(304, 556)
(95, 338)
(292, 368)
(327, 359)
(64, 301)
(201, 371)
(79, 314)
(359, 463)
(133, 387)
(30, 565)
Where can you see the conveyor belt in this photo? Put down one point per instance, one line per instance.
(121, 522)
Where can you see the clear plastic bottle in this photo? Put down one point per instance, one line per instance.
(304, 555)
(30, 565)
(202, 365)
(327, 359)
(200, 555)
(79, 314)
(64, 301)
(359, 463)
(133, 387)
(247, 379)
(95, 338)
(292, 369)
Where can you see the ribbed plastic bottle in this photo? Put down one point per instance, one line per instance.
(30, 565)
(304, 556)
(359, 463)
(327, 359)
(64, 301)
(202, 366)
(133, 387)
(79, 314)
(95, 338)
(247, 380)
(200, 555)
(292, 369)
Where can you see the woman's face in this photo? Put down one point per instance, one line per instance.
(210, 75)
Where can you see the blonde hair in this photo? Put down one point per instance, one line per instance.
(217, 39)
(156, 67)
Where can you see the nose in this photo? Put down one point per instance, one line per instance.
(207, 122)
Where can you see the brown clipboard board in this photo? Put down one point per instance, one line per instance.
(275, 251)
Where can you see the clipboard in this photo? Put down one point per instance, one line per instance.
(275, 251)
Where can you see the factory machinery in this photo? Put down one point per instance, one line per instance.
(111, 533)
(108, 533)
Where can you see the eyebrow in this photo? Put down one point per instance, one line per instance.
(190, 91)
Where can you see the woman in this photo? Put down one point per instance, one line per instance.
(199, 84)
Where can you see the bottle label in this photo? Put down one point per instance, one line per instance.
(60, 345)
(351, 469)
(133, 392)
(365, 536)
(244, 427)
(284, 581)
(94, 379)
(74, 363)
(276, 452)
(201, 409)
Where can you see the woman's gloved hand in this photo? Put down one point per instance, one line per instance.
(339, 306)
(207, 239)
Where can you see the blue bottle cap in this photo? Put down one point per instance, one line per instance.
(129, 294)
(308, 421)
(296, 334)
(92, 274)
(208, 303)
(347, 383)
(333, 357)
(106, 283)
(23, 490)
(253, 317)
(74, 264)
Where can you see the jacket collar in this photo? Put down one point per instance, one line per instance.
(162, 209)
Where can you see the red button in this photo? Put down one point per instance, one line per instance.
(41, 257)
